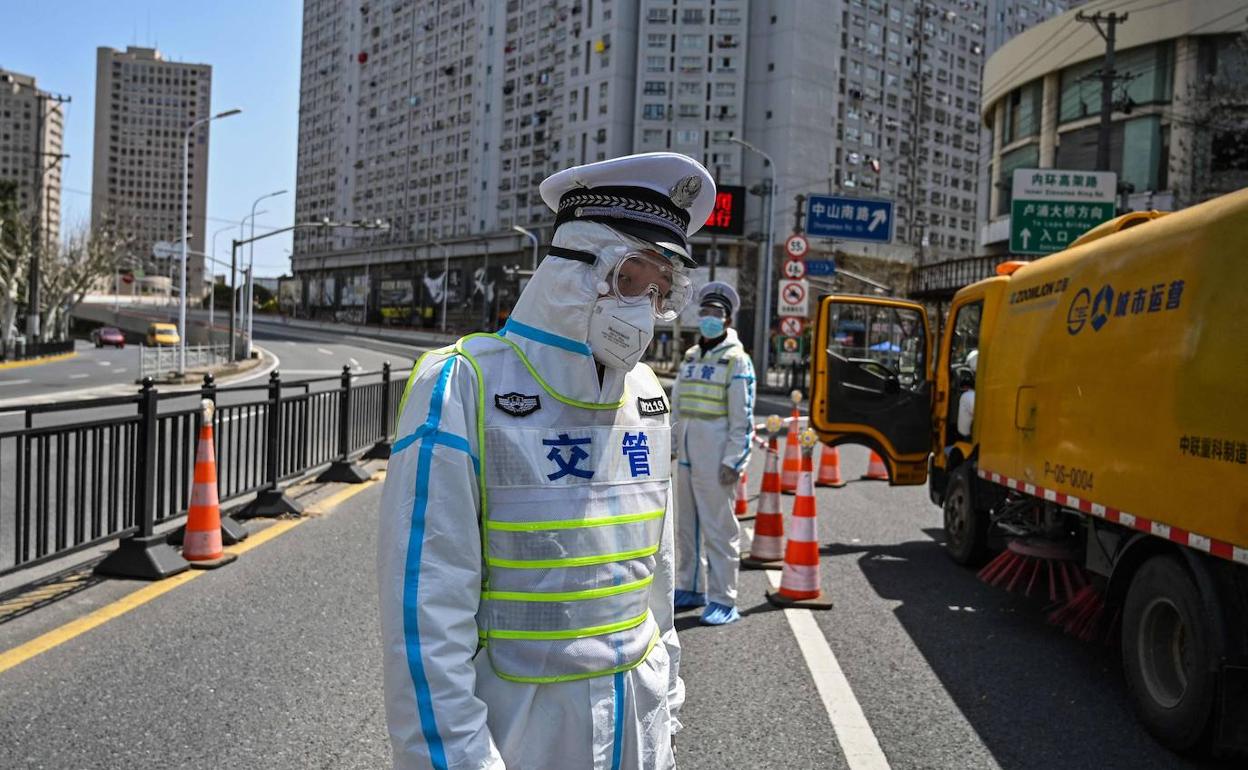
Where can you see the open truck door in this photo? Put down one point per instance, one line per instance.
(872, 382)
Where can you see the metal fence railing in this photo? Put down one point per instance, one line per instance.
(161, 360)
(19, 349)
(114, 468)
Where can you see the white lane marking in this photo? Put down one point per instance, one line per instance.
(105, 363)
(14, 382)
(313, 372)
(858, 742)
(354, 363)
(78, 376)
(323, 351)
(119, 371)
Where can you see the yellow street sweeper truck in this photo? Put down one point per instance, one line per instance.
(1089, 411)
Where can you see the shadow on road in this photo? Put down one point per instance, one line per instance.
(1037, 698)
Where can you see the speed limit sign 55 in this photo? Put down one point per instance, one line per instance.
(796, 246)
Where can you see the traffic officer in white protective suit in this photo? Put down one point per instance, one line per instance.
(525, 552)
(713, 422)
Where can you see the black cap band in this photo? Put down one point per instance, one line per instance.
(637, 211)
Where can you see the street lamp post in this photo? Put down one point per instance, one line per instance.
(248, 308)
(212, 292)
(532, 239)
(186, 183)
(236, 304)
(762, 310)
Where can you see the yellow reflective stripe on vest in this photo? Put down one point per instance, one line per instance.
(568, 596)
(654, 639)
(576, 561)
(598, 521)
(572, 633)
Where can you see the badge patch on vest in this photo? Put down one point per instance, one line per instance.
(652, 407)
(517, 404)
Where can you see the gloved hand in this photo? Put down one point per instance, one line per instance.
(727, 476)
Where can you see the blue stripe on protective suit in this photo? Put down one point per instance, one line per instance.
(749, 416)
(429, 437)
(546, 338)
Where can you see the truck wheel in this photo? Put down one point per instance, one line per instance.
(966, 529)
(1167, 648)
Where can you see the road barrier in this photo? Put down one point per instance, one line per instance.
(19, 350)
(161, 360)
(115, 468)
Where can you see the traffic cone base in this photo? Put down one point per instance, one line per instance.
(220, 561)
(816, 602)
(829, 468)
(749, 563)
(876, 471)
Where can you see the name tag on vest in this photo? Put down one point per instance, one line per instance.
(652, 407)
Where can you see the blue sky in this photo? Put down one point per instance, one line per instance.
(253, 47)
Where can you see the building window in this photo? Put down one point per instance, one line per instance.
(653, 111)
(1022, 113)
(655, 87)
(1150, 74)
(656, 64)
(656, 40)
(1023, 157)
(693, 16)
(688, 136)
(725, 89)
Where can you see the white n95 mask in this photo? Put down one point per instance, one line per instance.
(619, 331)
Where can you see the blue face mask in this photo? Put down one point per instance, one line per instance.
(710, 326)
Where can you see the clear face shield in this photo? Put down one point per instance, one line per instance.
(644, 275)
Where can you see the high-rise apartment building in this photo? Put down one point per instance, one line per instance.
(31, 134)
(443, 116)
(144, 104)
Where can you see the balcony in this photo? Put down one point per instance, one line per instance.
(941, 280)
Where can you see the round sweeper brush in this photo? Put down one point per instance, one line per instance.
(1033, 564)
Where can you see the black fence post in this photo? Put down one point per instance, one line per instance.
(381, 450)
(144, 554)
(343, 469)
(272, 500)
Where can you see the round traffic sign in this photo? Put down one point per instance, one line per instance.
(797, 246)
(794, 268)
(791, 326)
(789, 345)
(793, 292)
(127, 278)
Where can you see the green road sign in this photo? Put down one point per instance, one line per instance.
(1052, 207)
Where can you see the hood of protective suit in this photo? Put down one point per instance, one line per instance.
(550, 322)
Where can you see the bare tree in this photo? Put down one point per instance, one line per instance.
(87, 256)
(16, 246)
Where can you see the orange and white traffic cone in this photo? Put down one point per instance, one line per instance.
(767, 547)
(829, 468)
(799, 583)
(741, 508)
(792, 455)
(201, 541)
(876, 471)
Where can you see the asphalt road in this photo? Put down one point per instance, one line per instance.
(273, 662)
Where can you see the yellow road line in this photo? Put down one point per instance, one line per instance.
(37, 361)
(75, 628)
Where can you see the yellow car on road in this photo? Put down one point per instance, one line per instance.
(162, 334)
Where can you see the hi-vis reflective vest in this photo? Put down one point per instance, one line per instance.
(573, 496)
(703, 380)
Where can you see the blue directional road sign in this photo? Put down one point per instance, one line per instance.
(820, 267)
(851, 219)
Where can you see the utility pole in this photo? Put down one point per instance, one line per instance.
(33, 297)
(1107, 78)
(714, 253)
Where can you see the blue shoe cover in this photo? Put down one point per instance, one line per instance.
(717, 614)
(686, 600)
